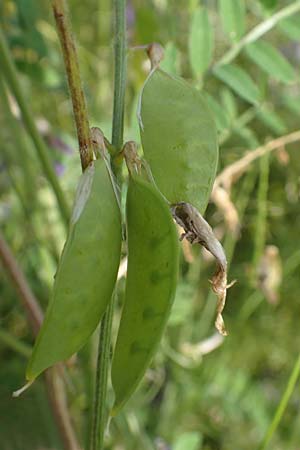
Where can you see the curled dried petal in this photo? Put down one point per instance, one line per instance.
(198, 231)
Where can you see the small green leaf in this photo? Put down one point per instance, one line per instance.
(248, 136)
(269, 4)
(271, 120)
(233, 15)
(171, 62)
(239, 81)
(190, 440)
(229, 103)
(269, 59)
(200, 42)
(291, 27)
(292, 103)
(219, 114)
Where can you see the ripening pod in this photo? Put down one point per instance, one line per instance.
(86, 274)
(150, 285)
(179, 139)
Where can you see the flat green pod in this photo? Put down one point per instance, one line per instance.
(179, 139)
(150, 285)
(86, 274)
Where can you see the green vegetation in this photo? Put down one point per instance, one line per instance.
(202, 391)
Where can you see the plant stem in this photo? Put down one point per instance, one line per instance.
(9, 71)
(54, 384)
(259, 31)
(99, 413)
(282, 405)
(262, 216)
(64, 29)
(119, 74)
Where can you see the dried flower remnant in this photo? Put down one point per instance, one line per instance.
(270, 274)
(198, 231)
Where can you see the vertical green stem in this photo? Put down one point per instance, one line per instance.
(261, 219)
(282, 405)
(119, 74)
(103, 362)
(9, 72)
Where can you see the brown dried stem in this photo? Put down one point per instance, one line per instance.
(221, 191)
(234, 171)
(54, 383)
(64, 28)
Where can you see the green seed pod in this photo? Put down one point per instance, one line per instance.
(86, 274)
(179, 139)
(150, 286)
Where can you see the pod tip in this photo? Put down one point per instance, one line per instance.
(24, 388)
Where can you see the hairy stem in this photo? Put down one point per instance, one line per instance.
(10, 74)
(103, 362)
(63, 25)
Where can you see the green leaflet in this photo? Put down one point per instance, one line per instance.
(233, 16)
(239, 81)
(179, 139)
(291, 27)
(150, 286)
(271, 120)
(220, 114)
(201, 39)
(86, 274)
(271, 61)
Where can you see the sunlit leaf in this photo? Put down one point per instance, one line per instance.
(190, 440)
(239, 81)
(269, 59)
(200, 42)
(233, 16)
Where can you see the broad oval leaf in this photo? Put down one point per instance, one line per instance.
(150, 285)
(270, 60)
(179, 139)
(86, 274)
(200, 42)
(239, 81)
(233, 16)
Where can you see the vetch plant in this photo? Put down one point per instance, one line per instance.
(169, 182)
(179, 140)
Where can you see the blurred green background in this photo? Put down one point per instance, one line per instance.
(201, 392)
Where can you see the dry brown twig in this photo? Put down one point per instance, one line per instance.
(221, 191)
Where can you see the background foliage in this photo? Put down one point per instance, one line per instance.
(189, 400)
